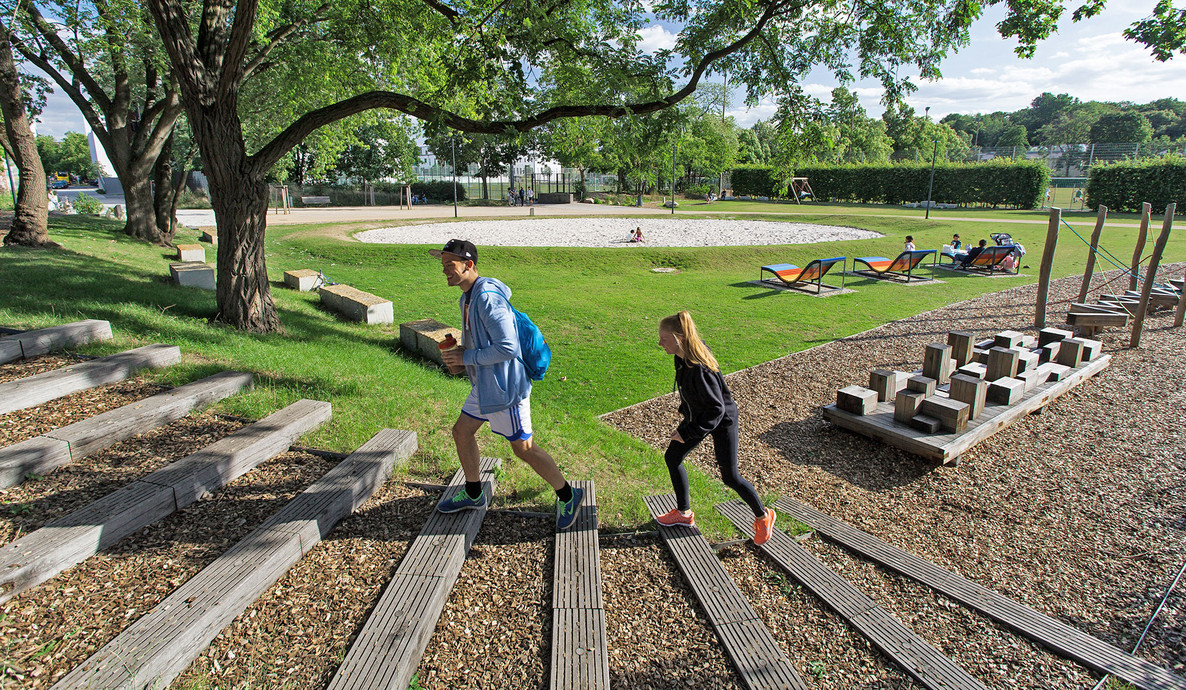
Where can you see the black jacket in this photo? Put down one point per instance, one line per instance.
(705, 400)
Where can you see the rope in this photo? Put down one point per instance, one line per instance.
(1112, 258)
(1150, 623)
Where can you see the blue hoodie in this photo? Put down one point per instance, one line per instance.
(491, 343)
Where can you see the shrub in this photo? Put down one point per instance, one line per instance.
(1124, 185)
(193, 199)
(85, 203)
(438, 190)
(578, 188)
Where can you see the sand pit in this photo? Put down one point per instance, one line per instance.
(615, 232)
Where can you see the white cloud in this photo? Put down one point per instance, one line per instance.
(745, 117)
(655, 37)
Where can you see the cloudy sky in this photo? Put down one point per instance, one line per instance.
(1090, 60)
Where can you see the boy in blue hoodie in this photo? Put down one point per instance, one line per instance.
(501, 389)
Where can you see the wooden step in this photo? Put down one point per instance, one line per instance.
(387, 650)
(43, 340)
(1101, 308)
(927, 665)
(1088, 319)
(45, 453)
(746, 640)
(580, 659)
(70, 540)
(161, 644)
(1060, 638)
(34, 390)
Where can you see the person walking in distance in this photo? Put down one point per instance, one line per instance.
(500, 390)
(707, 408)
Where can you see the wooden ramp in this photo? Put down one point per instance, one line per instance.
(1058, 637)
(387, 650)
(161, 644)
(68, 541)
(34, 390)
(746, 640)
(33, 343)
(45, 453)
(927, 665)
(580, 660)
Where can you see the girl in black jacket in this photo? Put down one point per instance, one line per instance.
(707, 407)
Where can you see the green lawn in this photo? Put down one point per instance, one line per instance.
(598, 308)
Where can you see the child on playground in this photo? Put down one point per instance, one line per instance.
(909, 246)
(708, 409)
(636, 235)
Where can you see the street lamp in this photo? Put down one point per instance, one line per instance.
(931, 185)
(673, 149)
(453, 145)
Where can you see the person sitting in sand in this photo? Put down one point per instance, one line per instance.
(636, 236)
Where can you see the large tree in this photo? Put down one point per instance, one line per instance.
(30, 223)
(105, 56)
(498, 66)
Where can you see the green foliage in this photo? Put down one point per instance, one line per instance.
(1124, 185)
(381, 146)
(85, 203)
(193, 199)
(439, 190)
(1128, 126)
(70, 155)
(1017, 184)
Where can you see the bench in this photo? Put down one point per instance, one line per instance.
(357, 305)
(209, 235)
(315, 201)
(192, 274)
(191, 252)
(303, 279)
(424, 337)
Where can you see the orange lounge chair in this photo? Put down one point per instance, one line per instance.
(988, 260)
(904, 265)
(791, 276)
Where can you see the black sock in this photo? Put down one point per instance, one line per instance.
(473, 489)
(564, 493)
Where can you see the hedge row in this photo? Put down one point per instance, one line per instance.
(386, 193)
(1020, 184)
(1122, 186)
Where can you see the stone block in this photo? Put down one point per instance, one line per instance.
(856, 399)
(356, 305)
(422, 337)
(187, 253)
(210, 235)
(193, 274)
(302, 279)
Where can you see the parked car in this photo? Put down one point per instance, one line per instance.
(59, 184)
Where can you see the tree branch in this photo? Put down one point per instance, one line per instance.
(448, 12)
(173, 26)
(237, 46)
(278, 36)
(73, 63)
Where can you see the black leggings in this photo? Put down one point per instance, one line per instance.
(724, 444)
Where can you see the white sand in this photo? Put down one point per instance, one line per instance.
(615, 232)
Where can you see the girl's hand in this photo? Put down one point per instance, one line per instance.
(676, 437)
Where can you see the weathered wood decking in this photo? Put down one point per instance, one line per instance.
(945, 447)
(1058, 637)
(387, 650)
(65, 542)
(34, 390)
(39, 342)
(923, 662)
(162, 643)
(580, 660)
(45, 453)
(746, 640)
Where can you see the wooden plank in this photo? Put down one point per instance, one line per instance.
(45, 340)
(44, 454)
(1088, 319)
(65, 542)
(34, 390)
(1064, 640)
(747, 642)
(580, 658)
(387, 650)
(897, 641)
(162, 643)
(943, 447)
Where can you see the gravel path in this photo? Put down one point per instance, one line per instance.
(615, 232)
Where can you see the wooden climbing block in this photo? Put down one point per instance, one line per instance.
(856, 399)
(887, 383)
(970, 390)
(980, 355)
(1007, 339)
(922, 384)
(985, 344)
(191, 252)
(1028, 342)
(906, 405)
(926, 424)
(1006, 391)
(961, 347)
(1052, 335)
(936, 363)
(1070, 352)
(1054, 371)
(1027, 360)
(974, 369)
(952, 414)
(1049, 352)
(1002, 363)
(1091, 349)
(1031, 378)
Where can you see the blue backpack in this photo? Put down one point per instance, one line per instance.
(533, 348)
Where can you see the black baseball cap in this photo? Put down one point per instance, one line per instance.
(463, 249)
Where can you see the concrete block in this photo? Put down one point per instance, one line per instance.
(303, 279)
(210, 235)
(424, 336)
(191, 252)
(193, 274)
(356, 305)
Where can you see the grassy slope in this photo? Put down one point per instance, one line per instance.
(598, 308)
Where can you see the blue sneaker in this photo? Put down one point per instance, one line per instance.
(566, 512)
(461, 501)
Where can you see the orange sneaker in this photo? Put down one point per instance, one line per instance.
(764, 526)
(674, 517)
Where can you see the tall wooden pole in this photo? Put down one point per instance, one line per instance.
(1047, 262)
(1095, 243)
(1146, 211)
(1147, 288)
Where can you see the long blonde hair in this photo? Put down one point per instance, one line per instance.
(695, 351)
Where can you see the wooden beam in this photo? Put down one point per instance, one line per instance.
(1146, 211)
(1044, 269)
(1151, 275)
(1100, 217)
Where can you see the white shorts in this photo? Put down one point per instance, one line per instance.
(513, 423)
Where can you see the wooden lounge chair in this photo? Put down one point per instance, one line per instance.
(904, 265)
(988, 260)
(791, 276)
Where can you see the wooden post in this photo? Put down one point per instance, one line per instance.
(1146, 211)
(1180, 315)
(1044, 271)
(1151, 274)
(1095, 243)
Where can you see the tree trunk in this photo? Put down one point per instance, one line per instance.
(485, 189)
(141, 214)
(164, 199)
(31, 216)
